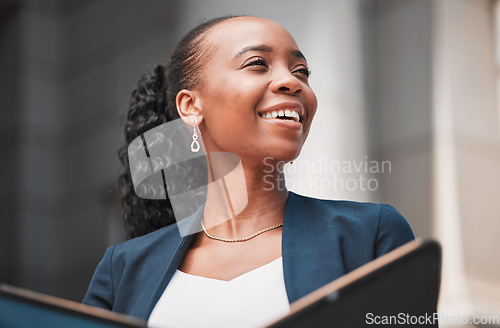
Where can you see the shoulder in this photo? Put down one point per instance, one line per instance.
(350, 210)
(118, 275)
(343, 206)
(136, 253)
(357, 222)
(134, 250)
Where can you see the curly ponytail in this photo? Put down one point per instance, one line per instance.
(147, 110)
(152, 104)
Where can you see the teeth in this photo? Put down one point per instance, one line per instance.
(290, 115)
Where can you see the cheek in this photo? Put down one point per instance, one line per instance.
(233, 96)
(312, 103)
(229, 111)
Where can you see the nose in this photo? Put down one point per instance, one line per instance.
(285, 82)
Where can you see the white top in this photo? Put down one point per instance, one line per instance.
(253, 299)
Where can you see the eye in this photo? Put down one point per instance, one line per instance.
(304, 71)
(255, 61)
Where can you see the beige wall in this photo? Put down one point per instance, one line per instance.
(467, 112)
(438, 99)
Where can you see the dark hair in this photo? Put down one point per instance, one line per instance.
(152, 104)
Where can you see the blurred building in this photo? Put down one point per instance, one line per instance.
(409, 84)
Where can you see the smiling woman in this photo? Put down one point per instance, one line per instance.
(254, 67)
(242, 85)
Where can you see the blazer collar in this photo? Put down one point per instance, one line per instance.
(179, 243)
(303, 250)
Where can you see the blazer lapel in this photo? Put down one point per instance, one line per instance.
(188, 226)
(305, 249)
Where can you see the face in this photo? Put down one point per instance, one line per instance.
(255, 97)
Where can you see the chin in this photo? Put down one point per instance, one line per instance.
(285, 154)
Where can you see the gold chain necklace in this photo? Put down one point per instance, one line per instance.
(238, 239)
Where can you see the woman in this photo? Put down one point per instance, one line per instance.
(243, 82)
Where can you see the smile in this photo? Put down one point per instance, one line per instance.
(287, 115)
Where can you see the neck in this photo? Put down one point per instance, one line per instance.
(247, 199)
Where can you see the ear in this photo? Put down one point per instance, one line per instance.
(189, 107)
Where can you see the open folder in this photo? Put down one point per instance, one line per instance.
(401, 286)
(21, 308)
(399, 289)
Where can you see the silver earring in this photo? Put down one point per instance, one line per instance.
(195, 145)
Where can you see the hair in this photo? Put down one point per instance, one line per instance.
(153, 103)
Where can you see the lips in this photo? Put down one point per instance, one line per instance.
(287, 114)
(292, 112)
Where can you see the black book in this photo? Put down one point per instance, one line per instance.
(399, 289)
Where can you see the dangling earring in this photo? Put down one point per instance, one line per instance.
(195, 145)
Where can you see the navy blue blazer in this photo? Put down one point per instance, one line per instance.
(321, 241)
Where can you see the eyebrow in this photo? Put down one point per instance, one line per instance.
(264, 48)
(298, 54)
(260, 47)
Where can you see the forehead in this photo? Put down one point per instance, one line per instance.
(240, 32)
